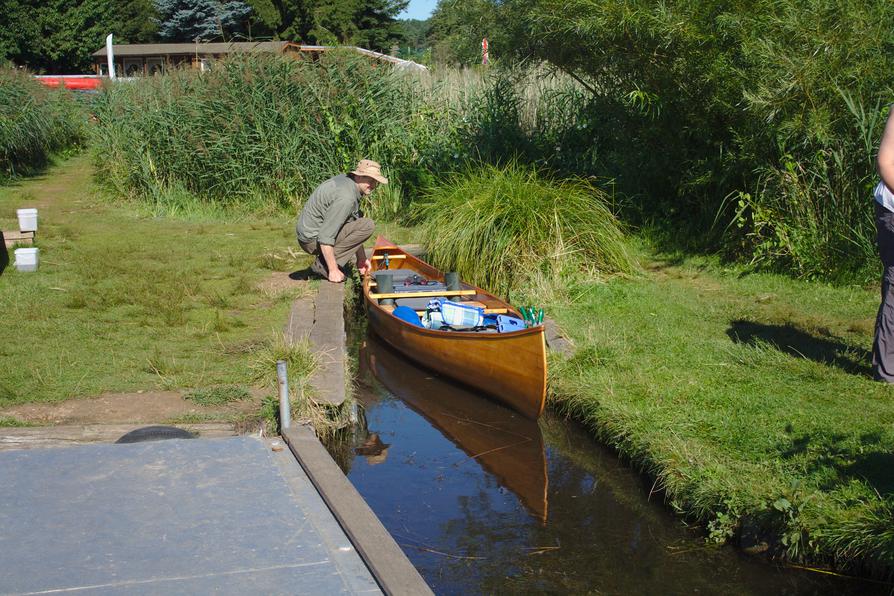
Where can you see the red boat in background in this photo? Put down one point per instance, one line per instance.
(73, 82)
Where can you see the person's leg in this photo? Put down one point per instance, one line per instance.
(883, 342)
(351, 237)
(312, 248)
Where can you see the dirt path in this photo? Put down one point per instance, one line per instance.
(140, 407)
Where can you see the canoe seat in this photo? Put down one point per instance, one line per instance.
(416, 303)
(399, 275)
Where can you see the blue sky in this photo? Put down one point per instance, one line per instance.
(418, 9)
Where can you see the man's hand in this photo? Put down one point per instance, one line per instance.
(335, 274)
(364, 266)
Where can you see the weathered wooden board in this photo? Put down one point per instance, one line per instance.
(11, 238)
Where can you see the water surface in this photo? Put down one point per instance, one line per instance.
(483, 501)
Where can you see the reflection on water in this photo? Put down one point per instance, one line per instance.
(463, 484)
(504, 443)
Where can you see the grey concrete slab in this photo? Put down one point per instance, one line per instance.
(301, 320)
(328, 340)
(196, 516)
(556, 340)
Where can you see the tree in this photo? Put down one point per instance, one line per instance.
(202, 20)
(135, 21)
(457, 28)
(264, 19)
(377, 24)
(20, 34)
(369, 23)
(416, 32)
(59, 36)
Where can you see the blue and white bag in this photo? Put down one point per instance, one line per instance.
(461, 316)
(452, 314)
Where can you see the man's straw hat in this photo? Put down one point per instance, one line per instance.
(368, 167)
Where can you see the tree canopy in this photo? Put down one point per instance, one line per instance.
(200, 20)
(58, 36)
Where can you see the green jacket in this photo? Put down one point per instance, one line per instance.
(333, 203)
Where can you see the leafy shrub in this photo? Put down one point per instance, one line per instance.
(35, 122)
(702, 101)
(501, 226)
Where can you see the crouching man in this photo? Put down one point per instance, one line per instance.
(330, 226)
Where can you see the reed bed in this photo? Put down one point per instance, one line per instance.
(35, 122)
(501, 227)
(262, 131)
(259, 133)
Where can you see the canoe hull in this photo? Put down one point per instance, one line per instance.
(510, 367)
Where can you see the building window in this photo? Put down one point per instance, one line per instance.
(133, 68)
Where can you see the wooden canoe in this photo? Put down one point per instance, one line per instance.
(506, 444)
(510, 367)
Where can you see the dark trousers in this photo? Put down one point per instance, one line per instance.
(351, 237)
(883, 343)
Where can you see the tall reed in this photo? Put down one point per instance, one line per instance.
(263, 130)
(35, 122)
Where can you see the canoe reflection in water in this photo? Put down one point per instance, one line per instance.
(506, 444)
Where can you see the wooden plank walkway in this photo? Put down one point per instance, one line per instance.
(72, 435)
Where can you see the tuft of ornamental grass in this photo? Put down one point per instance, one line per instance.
(35, 122)
(501, 227)
(299, 357)
(301, 363)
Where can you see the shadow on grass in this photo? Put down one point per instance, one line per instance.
(869, 461)
(791, 340)
(303, 275)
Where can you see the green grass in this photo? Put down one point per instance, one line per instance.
(748, 397)
(218, 395)
(125, 301)
(259, 133)
(10, 422)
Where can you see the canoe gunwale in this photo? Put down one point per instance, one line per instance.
(529, 401)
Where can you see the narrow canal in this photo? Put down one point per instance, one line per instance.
(485, 502)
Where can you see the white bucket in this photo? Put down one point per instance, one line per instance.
(27, 259)
(27, 220)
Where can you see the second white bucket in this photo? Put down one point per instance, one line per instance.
(27, 220)
(27, 259)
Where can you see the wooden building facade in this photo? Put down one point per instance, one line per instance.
(151, 58)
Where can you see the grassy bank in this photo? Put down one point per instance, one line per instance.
(747, 397)
(124, 301)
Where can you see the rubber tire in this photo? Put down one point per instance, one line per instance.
(155, 433)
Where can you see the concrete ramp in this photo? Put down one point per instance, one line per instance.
(223, 516)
